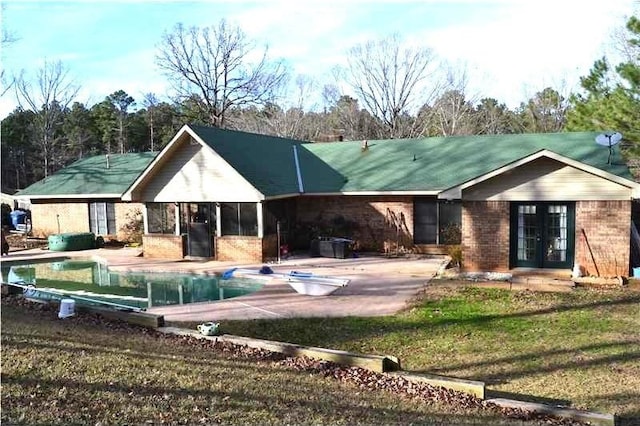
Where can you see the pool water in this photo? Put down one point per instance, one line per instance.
(92, 282)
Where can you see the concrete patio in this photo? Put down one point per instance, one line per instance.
(378, 285)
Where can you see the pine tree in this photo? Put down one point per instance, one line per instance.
(611, 98)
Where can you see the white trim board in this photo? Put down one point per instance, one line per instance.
(456, 191)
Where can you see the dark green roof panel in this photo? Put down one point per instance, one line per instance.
(435, 164)
(267, 162)
(92, 176)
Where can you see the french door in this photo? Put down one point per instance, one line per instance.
(542, 235)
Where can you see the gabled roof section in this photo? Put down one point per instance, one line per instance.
(91, 177)
(456, 191)
(267, 162)
(439, 163)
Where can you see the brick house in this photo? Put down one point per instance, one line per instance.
(86, 196)
(526, 200)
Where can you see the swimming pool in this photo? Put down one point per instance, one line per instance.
(88, 280)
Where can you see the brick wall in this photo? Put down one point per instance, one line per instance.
(240, 248)
(73, 217)
(162, 246)
(603, 232)
(485, 235)
(370, 219)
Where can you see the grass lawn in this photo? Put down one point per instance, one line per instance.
(84, 371)
(580, 348)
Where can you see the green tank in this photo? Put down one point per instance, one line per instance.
(72, 241)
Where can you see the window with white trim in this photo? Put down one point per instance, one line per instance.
(102, 218)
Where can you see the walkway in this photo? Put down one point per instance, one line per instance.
(378, 285)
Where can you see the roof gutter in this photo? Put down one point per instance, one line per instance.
(298, 174)
(67, 196)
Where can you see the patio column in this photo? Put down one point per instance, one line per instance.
(260, 220)
(145, 219)
(218, 220)
(176, 212)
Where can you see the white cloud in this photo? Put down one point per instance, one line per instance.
(530, 45)
(511, 48)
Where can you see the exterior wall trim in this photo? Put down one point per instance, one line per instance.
(456, 191)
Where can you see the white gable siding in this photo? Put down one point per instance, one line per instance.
(196, 173)
(546, 179)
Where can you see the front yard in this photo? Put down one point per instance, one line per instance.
(84, 370)
(580, 348)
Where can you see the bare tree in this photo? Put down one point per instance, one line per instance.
(150, 102)
(452, 113)
(494, 118)
(289, 120)
(391, 81)
(8, 38)
(51, 97)
(213, 63)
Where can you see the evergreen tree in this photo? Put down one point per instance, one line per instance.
(611, 98)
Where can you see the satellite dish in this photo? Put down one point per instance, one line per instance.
(609, 140)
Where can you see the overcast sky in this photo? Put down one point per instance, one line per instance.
(509, 48)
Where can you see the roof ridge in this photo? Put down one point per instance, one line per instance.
(458, 137)
(241, 132)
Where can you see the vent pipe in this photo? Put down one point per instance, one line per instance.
(107, 157)
(365, 145)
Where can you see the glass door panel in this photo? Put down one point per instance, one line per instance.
(528, 234)
(556, 231)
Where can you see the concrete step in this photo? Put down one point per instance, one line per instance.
(534, 280)
(542, 277)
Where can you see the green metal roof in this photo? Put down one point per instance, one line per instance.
(92, 177)
(439, 163)
(267, 162)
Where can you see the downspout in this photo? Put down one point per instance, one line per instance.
(299, 175)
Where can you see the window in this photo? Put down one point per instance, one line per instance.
(425, 221)
(436, 221)
(449, 222)
(239, 218)
(161, 218)
(102, 218)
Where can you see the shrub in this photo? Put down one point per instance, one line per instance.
(455, 252)
(133, 227)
